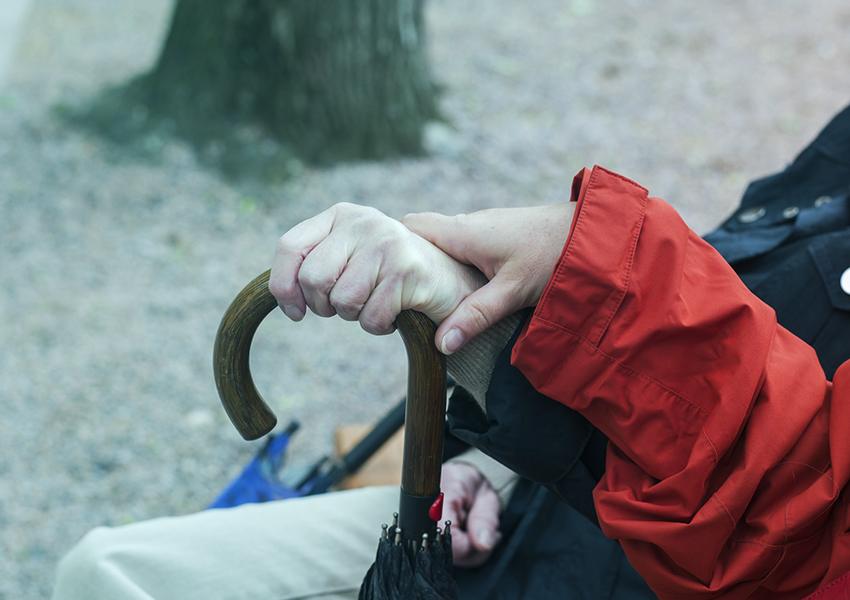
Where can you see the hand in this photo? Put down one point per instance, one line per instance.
(360, 264)
(472, 506)
(516, 248)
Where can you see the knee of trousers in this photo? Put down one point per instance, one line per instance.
(86, 571)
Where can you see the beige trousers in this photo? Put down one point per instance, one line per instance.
(316, 547)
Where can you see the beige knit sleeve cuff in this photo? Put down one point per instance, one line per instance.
(472, 366)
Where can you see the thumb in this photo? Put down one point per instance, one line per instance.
(482, 523)
(478, 312)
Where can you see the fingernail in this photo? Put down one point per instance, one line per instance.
(453, 341)
(486, 539)
(293, 312)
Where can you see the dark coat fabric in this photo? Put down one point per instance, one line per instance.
(789, 241)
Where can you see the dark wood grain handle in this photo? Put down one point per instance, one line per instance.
(247, 410)
(426, 395)
(425, 414)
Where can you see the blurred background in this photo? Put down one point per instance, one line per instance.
(118, 258)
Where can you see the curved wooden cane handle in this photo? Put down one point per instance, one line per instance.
(247, 410)
(426, 383)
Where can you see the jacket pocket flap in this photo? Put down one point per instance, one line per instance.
(831, 255)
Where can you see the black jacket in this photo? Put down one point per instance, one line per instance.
(790, 243)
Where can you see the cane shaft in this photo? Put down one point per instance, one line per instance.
(424, 426)
(425, 415)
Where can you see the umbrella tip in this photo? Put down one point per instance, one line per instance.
(384, 535)
(398, 536)
(425, 542)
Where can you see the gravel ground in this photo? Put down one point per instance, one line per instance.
(114, 273)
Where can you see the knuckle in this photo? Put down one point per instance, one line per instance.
(376, 324)
(280, 290)
(343, 209)
(348, 210)
(284, 245)
(316, 279)
(479, 315)
(348, 309)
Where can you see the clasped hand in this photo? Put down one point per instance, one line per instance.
(465, 272)
(355, 262)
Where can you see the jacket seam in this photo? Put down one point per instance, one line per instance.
(596, 348)
(725, 510)
(711, 445)
(829, 586)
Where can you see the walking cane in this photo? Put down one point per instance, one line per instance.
(420, 501)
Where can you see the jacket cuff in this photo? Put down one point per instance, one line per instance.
(595, 300)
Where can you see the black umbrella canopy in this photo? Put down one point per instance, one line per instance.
(424, 575)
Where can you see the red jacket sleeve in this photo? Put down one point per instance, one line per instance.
(726, 462)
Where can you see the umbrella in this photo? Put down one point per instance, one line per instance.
(413, 560)
(394, 577)
(263, 479)
(259, 481)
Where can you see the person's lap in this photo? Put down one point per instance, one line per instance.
(315, 547)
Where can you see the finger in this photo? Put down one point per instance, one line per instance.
(381, 309)
(398, 274)
(482, 522)
(323, 267)
(478, 312)
(317, 278)
(466, 554)
(458, 482)
(449, 234)
(458, 497)
(291, 250)
(463, 550)
(353, 287)
(454, 508)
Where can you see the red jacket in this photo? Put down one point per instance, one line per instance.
(730, 451)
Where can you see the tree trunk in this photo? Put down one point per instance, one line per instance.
(332, 79)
